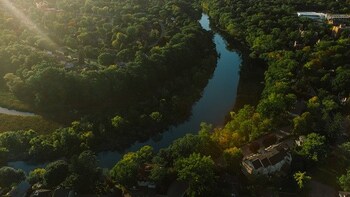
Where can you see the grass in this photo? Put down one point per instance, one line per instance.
(37, 123)
(14, 123)
(8, 100)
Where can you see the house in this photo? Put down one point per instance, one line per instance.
(271, 160)
(41, 193)
(338, 19)
(298, 45)
(344, 194)
(300, 141)
(143, 176)
(312, 15)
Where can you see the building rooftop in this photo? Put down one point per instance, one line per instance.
(319, 14)
(337, 16)
(269, 156)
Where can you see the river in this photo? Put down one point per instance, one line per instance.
(217, 100)
(14, 112)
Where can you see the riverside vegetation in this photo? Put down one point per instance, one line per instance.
(317, 73)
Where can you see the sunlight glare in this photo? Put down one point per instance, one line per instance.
(25, 20)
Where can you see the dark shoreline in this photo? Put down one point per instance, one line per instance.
(251, 81)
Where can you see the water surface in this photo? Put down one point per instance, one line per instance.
(218, 99)
(14, 112)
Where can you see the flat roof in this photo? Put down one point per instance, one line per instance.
(311, 14)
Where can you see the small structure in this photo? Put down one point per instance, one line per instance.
(300, 141)
(143, 176)
(338, 29)
(344, 194)
(42, 193)
(271, 160)
(337, 19)
(298, 45)
(312, 15)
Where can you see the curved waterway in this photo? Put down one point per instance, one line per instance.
(218, 99)
(14, 112)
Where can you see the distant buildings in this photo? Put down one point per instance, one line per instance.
(338, 19)
(312, 15)
(344, 194)
(339, 22)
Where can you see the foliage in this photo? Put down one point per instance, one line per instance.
(10, 176)
(56, 173)
(302, 179)
(198, 171)
(314, 147)
(84, 173)
(233, 157)
(125, 172)
(36, 176)
(344, 181)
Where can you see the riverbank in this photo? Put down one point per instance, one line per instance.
(251, 81)
(9, 101)
(36, 123)
(217, 100)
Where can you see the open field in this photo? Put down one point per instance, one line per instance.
(37, 123)
(8, 100)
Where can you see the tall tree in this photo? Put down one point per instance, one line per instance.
(198, 171)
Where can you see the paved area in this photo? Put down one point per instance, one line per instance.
(321, 190)
(177, 189)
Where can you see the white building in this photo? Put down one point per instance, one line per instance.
(313, 15)
(268, 161)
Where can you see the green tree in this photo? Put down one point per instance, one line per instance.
(84, 172)
(10, 176)
(198, 171)
(314, 147)
(118, 121)
(126, 170)
(233, 157)
(156, 116)
(36, 176)
(3, 155)
(302, 124)
(106, 59)
(344, 181)
(56, 173)
(302, 179)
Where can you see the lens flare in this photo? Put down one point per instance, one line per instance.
(7, 5)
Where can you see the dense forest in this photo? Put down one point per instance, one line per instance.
(121, 67)
(129, 69)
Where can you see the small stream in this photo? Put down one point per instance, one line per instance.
(218, 99)
(14, 112)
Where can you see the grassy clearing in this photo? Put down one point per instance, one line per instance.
(37, 123)
(8, 100)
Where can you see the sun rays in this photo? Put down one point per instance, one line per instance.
(26, 21)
